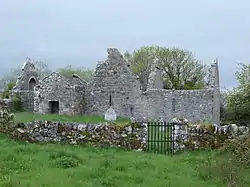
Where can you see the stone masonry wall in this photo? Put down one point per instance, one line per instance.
(194, 105)
(27, 99)
(55, 87)
(190, 137)
(25, 85)
(28, 72)
(131, 136)
(113, 84)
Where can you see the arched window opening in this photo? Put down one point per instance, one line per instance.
(32, 84)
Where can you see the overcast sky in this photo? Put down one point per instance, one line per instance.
(78, 32)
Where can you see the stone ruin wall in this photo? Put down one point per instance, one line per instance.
(194, 105)
(214, 84)
(113, 84)
(113, 77)
(54, 87)
(25, 85)
(27, 99)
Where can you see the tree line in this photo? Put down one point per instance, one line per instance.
(180, 70)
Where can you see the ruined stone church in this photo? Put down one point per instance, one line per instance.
(114, 85)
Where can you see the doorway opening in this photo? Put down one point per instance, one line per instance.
(54, 107)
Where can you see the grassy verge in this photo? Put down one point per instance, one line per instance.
(28, 116)
(52, 165)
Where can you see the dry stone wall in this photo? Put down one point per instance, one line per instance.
(131, 136)
(190, 137)
(6, 118)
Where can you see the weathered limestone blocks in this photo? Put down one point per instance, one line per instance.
(131, 136)
(6, 118)
(187, 136)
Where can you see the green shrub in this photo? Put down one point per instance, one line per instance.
(224, 167)
(6, 93)
(239, 149)
(238, 100)
(231, 161)
(64, 160)
(16, 104)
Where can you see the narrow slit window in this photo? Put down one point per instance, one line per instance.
(173, 104)
(131, 110)
(110, 100)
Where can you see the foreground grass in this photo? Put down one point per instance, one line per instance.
(28, 116)
(50, 165)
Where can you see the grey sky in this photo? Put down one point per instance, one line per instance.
(78, 32)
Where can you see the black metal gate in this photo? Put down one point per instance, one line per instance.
(161, 137)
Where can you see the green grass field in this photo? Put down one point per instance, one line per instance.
(28, 116)
(51, 165)
(54, 165)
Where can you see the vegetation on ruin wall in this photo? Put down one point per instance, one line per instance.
(28, 117)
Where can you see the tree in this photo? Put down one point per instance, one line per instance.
(140, 62)
(243, 75)
(84, 73)
(181, 70)
(6, 93)
(238, 100)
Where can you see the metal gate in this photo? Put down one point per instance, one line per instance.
(161, 137)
